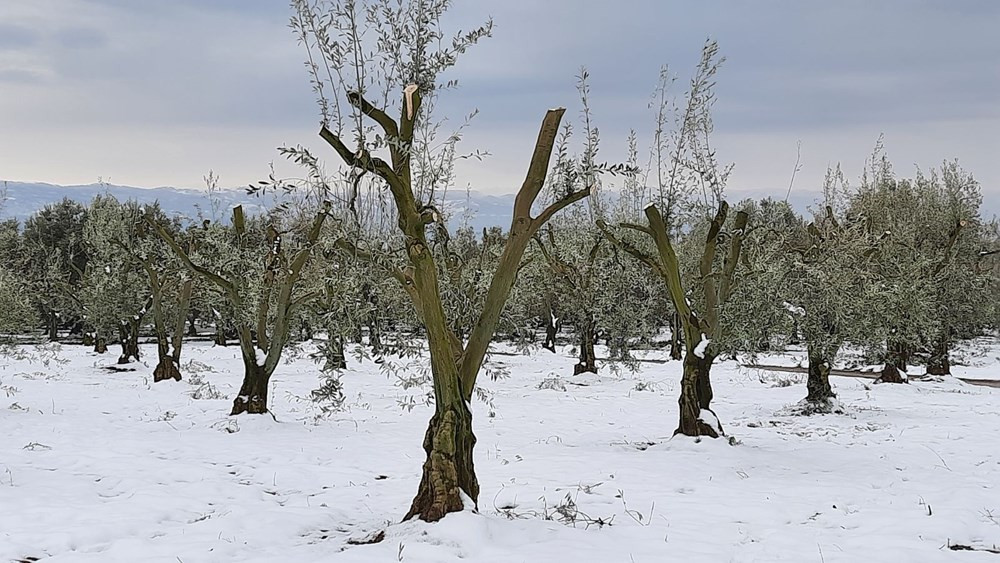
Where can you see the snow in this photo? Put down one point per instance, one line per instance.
(709, 418)
(103, 466)
(794, 309)
(702, 346)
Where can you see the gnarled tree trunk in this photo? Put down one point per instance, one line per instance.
(696, 416)
(252, 398)
(448, 472)
(818, 389)
(166, 368)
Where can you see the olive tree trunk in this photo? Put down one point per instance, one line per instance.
(939, 363)
(818, 389)
(676, 341)
(252, 398)
(552, 323)
(128, 333)
(696, 415)
(588, 359)
(897, 358)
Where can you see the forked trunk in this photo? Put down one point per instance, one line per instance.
(166, 368)
(676, 331)
(588, 359)
(938, 363)
(448, 473)
(252, 398)
(696, 416)
(129, 335)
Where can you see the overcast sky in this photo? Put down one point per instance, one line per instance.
(153, 93)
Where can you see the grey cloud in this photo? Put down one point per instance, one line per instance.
(81, 38)
(795, 69)
(14, 37)
(20, 76)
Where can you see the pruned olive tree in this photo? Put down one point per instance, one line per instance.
(718, 240)
(169, 283)
(261, 282)
(394, 86)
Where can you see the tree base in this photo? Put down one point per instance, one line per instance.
(253, 393)
(705, 425)
(449, 477)
(938, 366)
(166, 369)
(584, 368)
(249, 405)
(891, 374)
(809, 407)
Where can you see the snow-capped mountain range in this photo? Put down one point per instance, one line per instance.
(19, 200)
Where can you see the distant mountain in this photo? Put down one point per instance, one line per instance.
(23, 199)
(472, 208)
(475, 209)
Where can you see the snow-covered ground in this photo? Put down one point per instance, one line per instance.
(105, 466)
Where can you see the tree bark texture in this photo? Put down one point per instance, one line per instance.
(818, 389)
(696, 396)
(252, 398)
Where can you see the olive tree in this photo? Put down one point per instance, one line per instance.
(114, 294)
(919, 225)
(387, 86)
(699, 299)
(264, 259)
(55, 262)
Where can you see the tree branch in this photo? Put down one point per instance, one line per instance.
(538, 167)
(387, 123)
(551, 210)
